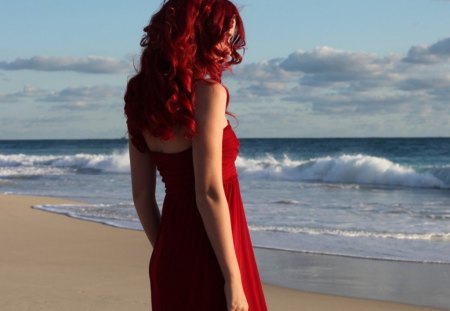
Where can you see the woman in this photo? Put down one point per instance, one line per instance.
(175, 105)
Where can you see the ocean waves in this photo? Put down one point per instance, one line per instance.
(370, 198)
(23, 165)
(345, 169)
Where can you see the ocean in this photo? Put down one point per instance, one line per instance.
(378, 198)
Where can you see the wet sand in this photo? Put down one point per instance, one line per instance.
(421, 284)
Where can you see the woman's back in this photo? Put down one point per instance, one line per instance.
(178, 142)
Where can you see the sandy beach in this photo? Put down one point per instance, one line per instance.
(53, 262)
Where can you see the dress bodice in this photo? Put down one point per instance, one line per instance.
(177, 171)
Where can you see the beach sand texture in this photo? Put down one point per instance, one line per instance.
(53, 262)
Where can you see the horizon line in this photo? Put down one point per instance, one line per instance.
(320, 137)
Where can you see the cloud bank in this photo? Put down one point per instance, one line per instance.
(319, 92)
(328, 81)
(89, 64)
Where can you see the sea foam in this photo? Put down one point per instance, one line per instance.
(432, 236)
(351, 169)
(14, 165)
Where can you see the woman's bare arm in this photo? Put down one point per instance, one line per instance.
(143, 183)
(210, 105)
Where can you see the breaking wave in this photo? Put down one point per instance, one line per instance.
(344, 169)
(17, 165)
(347, 169)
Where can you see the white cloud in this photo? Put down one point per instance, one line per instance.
(89, 64)
(270, 70)
(425, 83)
(28, 91)
(328, 81)
(328, 60)
(431, 54)
(84, 93)
(73, 98)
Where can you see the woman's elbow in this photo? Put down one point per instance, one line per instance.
(136, 193)
(209, 196)
(142, 195)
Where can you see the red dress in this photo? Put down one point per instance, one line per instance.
(184, 271)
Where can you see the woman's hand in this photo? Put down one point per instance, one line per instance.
(234, 293)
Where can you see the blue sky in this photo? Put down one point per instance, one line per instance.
(317, 68)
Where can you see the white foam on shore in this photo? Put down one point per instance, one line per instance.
(431, 236)
(115, 215)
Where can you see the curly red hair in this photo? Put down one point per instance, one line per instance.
(179, 47)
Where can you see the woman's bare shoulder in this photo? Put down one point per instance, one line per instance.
(210, 102)
(206, 88)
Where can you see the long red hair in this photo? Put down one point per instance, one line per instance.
(179, 47)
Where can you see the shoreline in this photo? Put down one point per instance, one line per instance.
(64, 263)
(112, 224)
